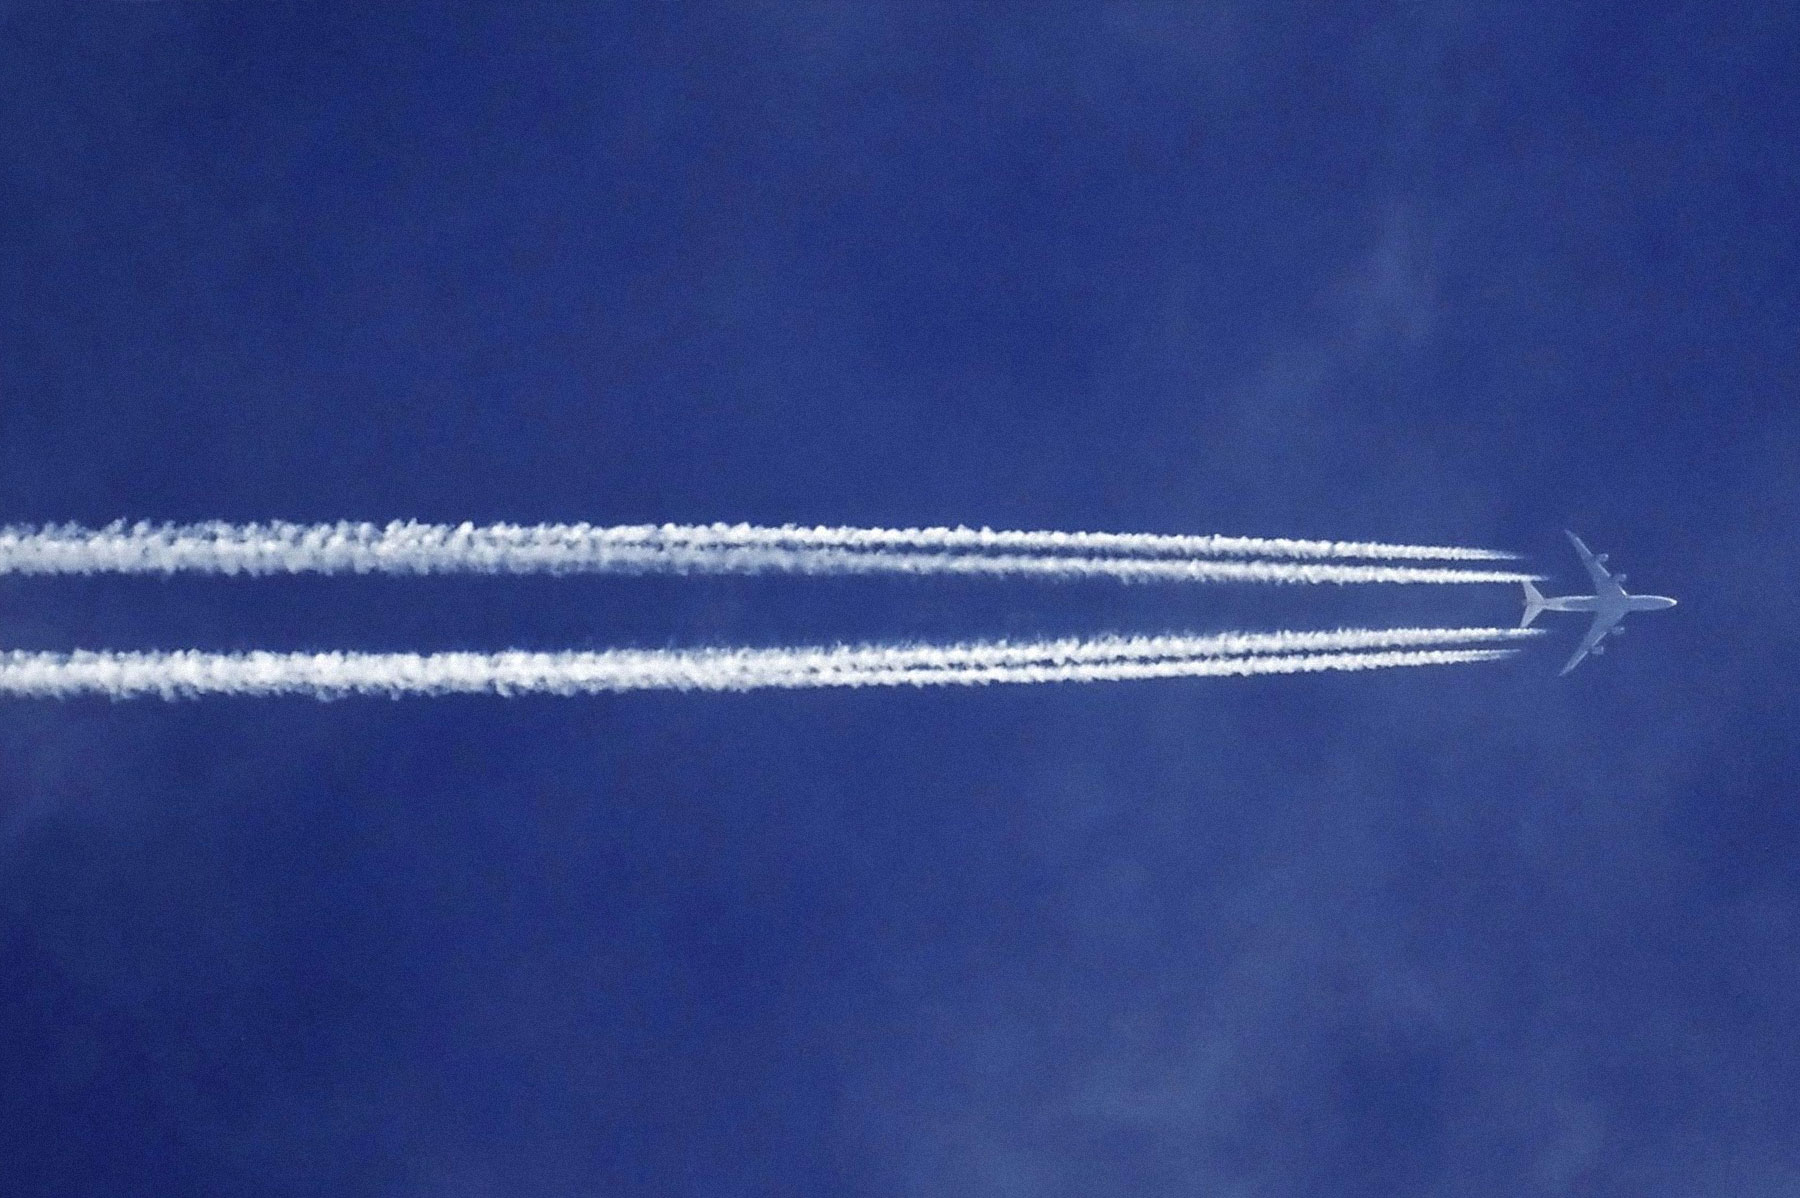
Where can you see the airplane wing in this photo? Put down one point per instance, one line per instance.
(1603, 622)
(1603, 582)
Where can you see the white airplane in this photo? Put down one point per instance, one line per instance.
(1609, 603)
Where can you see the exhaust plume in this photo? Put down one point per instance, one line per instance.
(190, 673)
(411, 548)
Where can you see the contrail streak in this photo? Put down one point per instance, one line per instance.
(1068, 650)
(963, 539)
(409, 548)
(1196, 667)
(183, 674)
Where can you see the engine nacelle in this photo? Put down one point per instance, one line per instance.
(1618, 630)
(1600, 559)
(1599, 648)
(1620, 579)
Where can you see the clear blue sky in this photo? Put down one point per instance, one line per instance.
(1462, 273)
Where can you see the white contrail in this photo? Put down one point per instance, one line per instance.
(329, 675)
(1192, 667)
(1068, 650)
(408, 548)
(962, 539)
(324, 675)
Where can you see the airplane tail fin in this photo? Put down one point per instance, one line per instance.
(1534, 603)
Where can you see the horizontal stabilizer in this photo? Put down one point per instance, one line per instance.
(1534, 603)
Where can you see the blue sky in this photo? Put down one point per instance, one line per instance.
(1450, 273)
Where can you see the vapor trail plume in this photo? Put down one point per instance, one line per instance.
(963, 539)
(1192, 667)
(406, 548)
(1072, 650)
(324, 675)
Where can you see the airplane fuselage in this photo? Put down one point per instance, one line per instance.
(1596, 603)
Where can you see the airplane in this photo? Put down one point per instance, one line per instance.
(1609, 603)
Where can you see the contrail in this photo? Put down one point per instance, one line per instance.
(1068, 650)
(410, 548)
(1197, 667)
(183, 674)
(330, 675)
(963, 539)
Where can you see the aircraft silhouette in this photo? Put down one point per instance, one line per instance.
(1609, 603)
